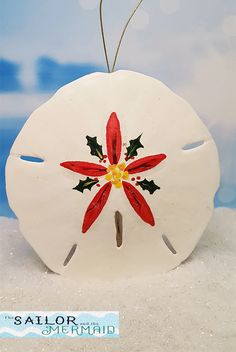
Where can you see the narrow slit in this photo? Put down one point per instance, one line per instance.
(119, 229)
(32, 159)
(168, 244)
(193, 145)
(70, 255)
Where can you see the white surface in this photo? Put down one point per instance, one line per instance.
(51, 213)
(190, 309)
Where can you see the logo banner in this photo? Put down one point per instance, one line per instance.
(51, 324)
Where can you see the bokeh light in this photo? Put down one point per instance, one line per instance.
(141, 20)
(169, 6)
(88, 4)
(229, 26)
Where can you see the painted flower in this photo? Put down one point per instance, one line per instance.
(117, 173)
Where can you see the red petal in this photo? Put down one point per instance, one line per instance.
(113, 136)
(138, 203)
(145, 164)
(84, 168)
(96, 206)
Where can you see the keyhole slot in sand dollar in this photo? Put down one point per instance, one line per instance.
(32, 159)
(168, 244)
(194, 145)
(119, 228)
(70, 254)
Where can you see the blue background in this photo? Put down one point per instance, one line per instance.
(190, 45)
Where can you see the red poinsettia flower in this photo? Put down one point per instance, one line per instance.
(116, 174)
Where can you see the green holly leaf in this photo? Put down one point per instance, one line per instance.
(134, 145)
(150, 186)
(95, 148)
(86, 184)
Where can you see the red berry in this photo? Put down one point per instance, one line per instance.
(104, 156)
(132, 157)
(100, 161)
(133, 179)
(104, 161)
(138, 178)
(136, 184)
(96, 179)
(98, 185)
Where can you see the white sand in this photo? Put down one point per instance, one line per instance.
(192, 308)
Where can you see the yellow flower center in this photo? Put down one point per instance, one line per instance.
(116, 173)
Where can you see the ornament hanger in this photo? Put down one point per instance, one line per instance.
(112, 68)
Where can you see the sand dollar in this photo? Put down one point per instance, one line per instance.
(121, 177)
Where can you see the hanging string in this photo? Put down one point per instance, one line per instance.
(123, 33)
(103, 37)
(121, 37)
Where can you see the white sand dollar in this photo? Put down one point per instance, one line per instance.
(90, 208)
